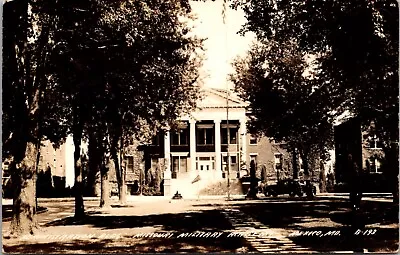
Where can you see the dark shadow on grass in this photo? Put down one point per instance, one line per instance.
(7, 212)
(370, 213)
(307, 217)
(286, 214)
(211, 220)
(285, 198)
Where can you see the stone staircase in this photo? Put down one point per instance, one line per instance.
(183, 184)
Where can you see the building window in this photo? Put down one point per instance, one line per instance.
(233, 162)
(301, 165)
(278, 161)
(253, 140)
(179, 165)
(180, 137)
(156, 140)
(129, 163)
(253, 158)
(205, 163)
(374, 142)
(373, 165)
(233, 132)
(205, 136)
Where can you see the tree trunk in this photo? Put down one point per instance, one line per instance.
(105, 184)
(295, 168)
(307, 177)
(22, 167)
(121, 180)
(30, 83)
(322, 177)
(23, 174)
(306, 168)
(123, 190)
(94, 164)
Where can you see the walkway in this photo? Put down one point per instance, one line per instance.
(261, 237)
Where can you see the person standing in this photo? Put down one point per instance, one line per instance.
(252, 193)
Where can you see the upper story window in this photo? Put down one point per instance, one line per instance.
(233, 132)
(253, 140)
(129, 163)
(180, 137)
(253, 158)
(374, 142)
(278, 161)
(156, 140)
(205, 136)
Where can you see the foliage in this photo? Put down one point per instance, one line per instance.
(151, 191)
(356, 48)
(284, 100)
(111, 68)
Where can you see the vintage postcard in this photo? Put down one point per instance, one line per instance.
(209, 126)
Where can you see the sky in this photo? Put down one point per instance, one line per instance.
(223, 43)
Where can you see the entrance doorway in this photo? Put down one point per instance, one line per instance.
(205, 164)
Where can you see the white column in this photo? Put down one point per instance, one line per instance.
(243, 140)
(167, 172)
(192, 145)
(218, 145)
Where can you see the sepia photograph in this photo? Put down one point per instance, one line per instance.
(200, 126)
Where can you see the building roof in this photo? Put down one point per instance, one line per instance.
(219, 98)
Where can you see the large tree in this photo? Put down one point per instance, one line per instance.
(151, 70)
(28, 30)
(128, 64)
(356, 48)
(284, 98)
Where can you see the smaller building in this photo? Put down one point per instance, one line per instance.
(60, 162)
(366, 151)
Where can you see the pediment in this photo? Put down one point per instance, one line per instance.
(215, 98)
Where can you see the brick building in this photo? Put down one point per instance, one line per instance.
(198, 148)
(366, 151)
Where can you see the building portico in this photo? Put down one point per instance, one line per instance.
(198, 147)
